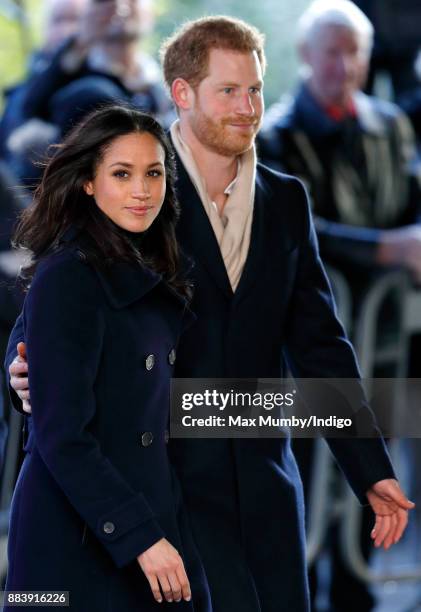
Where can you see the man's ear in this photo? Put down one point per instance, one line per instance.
(182, 94)
(88, 188)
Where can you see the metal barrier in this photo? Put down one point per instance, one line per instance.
(366, 337)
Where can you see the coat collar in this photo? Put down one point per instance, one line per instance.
(195, 231)
(197, 236)
(308, 115)
(123, 283)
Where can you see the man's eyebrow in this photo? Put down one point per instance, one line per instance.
(232, 84)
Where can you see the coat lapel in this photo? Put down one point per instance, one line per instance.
(195, 231)
(257, 241)
(125, 283)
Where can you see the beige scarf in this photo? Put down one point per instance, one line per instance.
(233, 228)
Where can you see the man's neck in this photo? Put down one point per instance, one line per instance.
(342, 103)
(217, 171)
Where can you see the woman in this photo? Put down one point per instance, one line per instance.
(97, 509)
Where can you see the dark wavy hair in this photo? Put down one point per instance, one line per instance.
(60, 201)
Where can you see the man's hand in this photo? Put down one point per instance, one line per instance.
(163, 567)
(390, 506)
(18, 371)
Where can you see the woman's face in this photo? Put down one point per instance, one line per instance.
(129, 184)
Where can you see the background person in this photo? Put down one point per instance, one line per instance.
(62, 19)
(100, 63)
(355, 153)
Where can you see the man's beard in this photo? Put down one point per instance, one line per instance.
(219, 137)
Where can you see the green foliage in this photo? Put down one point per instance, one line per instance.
(18, 36)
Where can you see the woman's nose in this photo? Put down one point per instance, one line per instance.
(141, 190)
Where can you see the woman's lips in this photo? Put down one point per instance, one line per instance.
(139, 211)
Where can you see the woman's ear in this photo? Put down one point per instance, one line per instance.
(88, 188)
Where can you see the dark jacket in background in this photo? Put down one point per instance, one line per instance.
(360, 172)
(43, 98)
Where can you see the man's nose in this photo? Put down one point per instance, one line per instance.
(123, 8)
(346, 65)
(245, 105)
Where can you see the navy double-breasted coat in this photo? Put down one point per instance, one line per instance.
(244, 497)
(96, 488)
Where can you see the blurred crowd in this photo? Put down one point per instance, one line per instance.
(350, 130)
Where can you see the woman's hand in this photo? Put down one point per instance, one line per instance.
(163, 567)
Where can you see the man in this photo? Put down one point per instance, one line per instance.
(354, 152)
(259, 290)
(62, 19)
(99, 63)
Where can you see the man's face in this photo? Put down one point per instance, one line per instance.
(228, 103)
(339, 62)
(119, 20)
(62, 21)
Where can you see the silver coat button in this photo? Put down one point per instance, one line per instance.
(147, 438)
(150, 362)
(166, 436)
(109, 527)
(172, 356)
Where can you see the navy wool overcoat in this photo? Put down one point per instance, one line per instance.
(245, 495)
(96, 488)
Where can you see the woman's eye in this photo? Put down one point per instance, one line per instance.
(154, 173)
(121, 174)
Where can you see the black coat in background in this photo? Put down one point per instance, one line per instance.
(244, 497)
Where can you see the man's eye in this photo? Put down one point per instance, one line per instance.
(121, 174)
(228, 90)
(255, 90)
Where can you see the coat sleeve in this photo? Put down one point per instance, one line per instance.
(64, 329)
(15, 337)
(317, 347)
(43, 84)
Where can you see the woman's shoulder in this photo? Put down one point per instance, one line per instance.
(65, 270)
